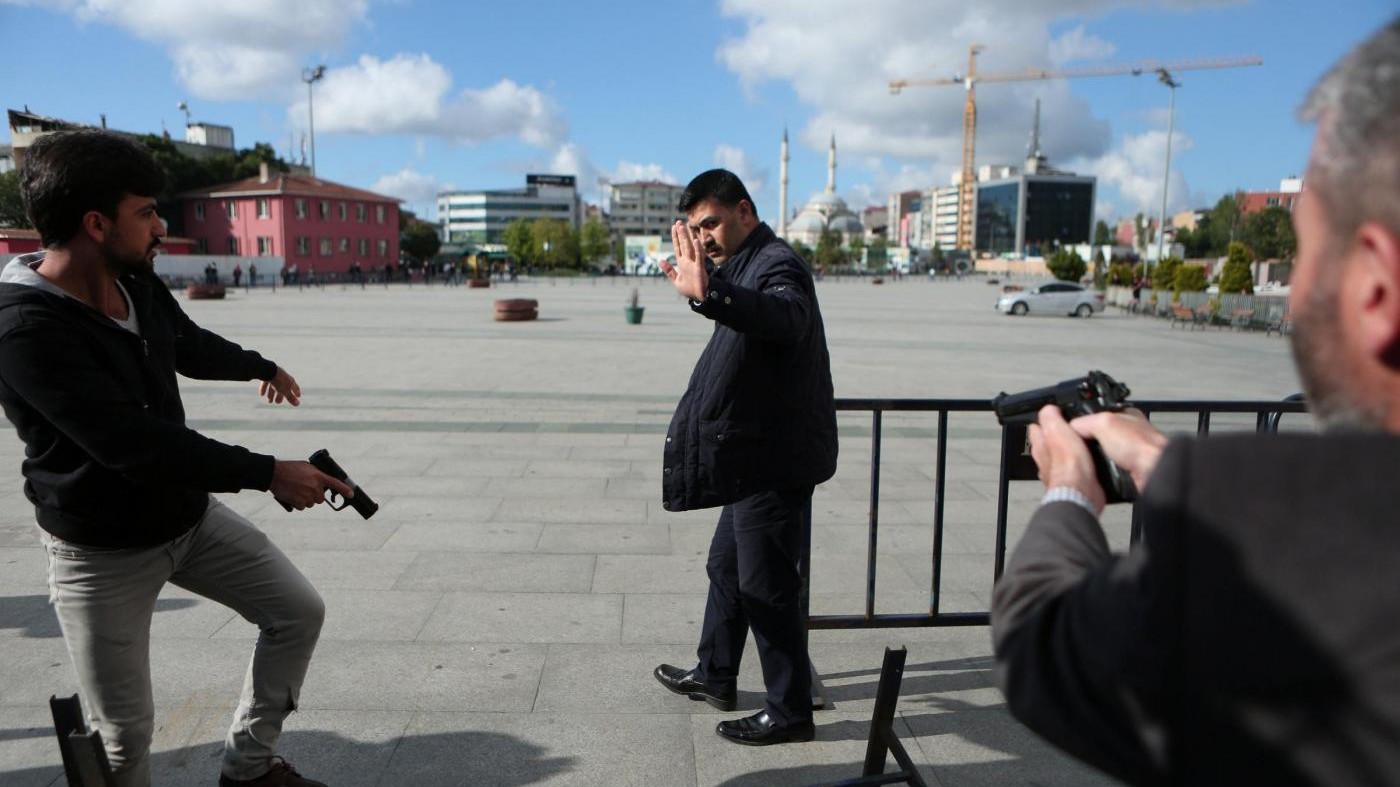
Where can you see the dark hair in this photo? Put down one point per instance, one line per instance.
(68, 173)
(719, 185)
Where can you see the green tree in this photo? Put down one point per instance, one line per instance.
(1190, 278)
(1220, 227)
(1100, 270)
(520, 242)
(183, 173)
(1236, 275)
(1270, 234)
(939, 260)
(556, 241)
(11, 204)
(1164, 274)
(803, 250)
(1120, 274)
(1067, 265)
(829, 254)
(856, 248)
(593, 241)
(1102, 236)
(420, 242)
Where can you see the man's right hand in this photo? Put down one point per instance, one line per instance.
(300, 485)
(1127, 439)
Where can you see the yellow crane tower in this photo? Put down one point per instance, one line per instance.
(1162, 68)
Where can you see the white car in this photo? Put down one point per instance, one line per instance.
(1057, 297)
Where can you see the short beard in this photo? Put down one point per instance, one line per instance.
(1317, 350)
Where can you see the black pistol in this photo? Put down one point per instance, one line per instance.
(362, 502)
(1093, 393)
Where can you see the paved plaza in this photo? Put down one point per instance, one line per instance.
(497, 622)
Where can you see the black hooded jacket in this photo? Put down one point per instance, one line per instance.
(109, 461)
(758, 413)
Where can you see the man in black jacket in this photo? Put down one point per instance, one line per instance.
(90, 344)
(1250, 637)
(754, 432)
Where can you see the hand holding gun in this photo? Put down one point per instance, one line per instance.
(1094, 393)
(359, 498)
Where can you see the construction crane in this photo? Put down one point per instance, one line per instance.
(1162, 68)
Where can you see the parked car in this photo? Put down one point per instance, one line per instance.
(1057, 297)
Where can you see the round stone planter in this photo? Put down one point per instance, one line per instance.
(517, 310)
(475, 283)
(205, 292)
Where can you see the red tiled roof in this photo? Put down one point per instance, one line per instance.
(288, 183)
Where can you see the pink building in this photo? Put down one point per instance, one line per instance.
(310, 223)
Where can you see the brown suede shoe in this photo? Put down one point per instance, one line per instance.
(281, 775)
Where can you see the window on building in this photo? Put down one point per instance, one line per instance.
(264, 247)
(1271, 202)
(301, 208)
(324, 209)
(232, 245)
(342, 212)
(359, 212)
(303, 246)
(199, 211)
(383, 247)
(201, 246)
(264, 208)
(231, 207)
(379, 214)
(325, 247)
(344, 245)
(364, 247)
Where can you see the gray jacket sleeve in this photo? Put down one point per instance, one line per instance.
(1085, 641)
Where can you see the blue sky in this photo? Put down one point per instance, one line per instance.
(422, 95)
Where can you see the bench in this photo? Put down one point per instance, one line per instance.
(1241, 318)
(1282, 325)
(1183, 315)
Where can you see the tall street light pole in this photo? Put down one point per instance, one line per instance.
(1165, 78)
(311, 76)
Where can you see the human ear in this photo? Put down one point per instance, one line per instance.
(1376, 292)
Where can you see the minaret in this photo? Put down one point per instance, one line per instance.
(1035, 161)
(782, 188)
(831, 167)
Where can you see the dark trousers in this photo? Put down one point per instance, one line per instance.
(755, 582)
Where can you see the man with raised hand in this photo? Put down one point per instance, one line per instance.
(754, 432)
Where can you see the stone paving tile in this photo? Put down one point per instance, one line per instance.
(986, 746)
(543, 486)
(662, 618)
(525, 617)
(649, 574)
(513, 573)
(23, 568)
(332, 569)
(465, 537)
(618, 679)
(478, 468)
(363, 616)
(498, 678)
(605, 539)
(618, 512)
(545, 750)
(28, 754)
(345, 532)
(596, 468)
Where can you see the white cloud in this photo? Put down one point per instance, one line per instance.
(1079, 45)
(631, 171)
(410, 94)
(1134, 169)
(841, 72)
(236, 50)
(410, 186)
(257, 49)
(737, 161)
(572, 159)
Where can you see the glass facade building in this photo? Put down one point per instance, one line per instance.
(1030, 215)
(481, 217)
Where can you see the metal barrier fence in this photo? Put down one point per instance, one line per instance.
(1014, 465)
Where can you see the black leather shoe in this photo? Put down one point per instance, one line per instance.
(683, 682)
(761, 730)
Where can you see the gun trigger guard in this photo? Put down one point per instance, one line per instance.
(332, 497)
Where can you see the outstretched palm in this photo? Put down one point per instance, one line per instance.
(688, 274)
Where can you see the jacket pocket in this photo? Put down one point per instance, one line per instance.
(730, 453)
